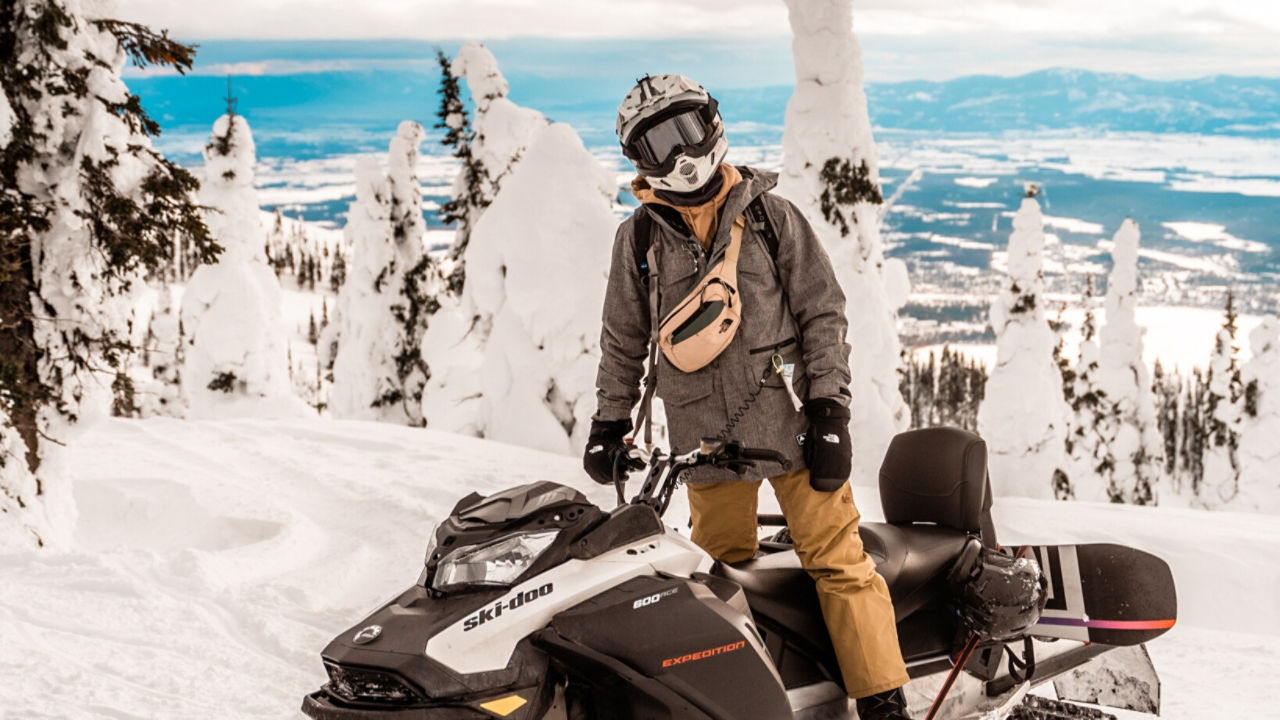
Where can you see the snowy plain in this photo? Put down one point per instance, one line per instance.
(214, 560)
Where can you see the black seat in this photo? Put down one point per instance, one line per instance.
(912, 560)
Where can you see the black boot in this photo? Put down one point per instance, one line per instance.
(888, 705)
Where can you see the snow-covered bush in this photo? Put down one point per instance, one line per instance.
(1023, 414)
(236, 353)
(86, 205)
(1259, 451)
(514, 357)
(831, 172)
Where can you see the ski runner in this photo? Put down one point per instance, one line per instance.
(749, 345)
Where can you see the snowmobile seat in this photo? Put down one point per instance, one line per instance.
(913, 561)
(938, 475)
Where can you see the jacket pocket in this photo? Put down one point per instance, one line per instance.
(774, 347)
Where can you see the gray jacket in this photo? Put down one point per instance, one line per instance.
(795, 309)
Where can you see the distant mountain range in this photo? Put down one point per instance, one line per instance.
(351, 105)
(1063, 98)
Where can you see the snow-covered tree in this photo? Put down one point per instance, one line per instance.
(489, 149)
(388, 295)
(514, 357)
(236, 353)
(1023, 416)
(86, 205)
(1134, 448)
(1259, 451)
(1113, 439)
(1088, 418)
(831, 172)
(1223, 406)
(165, 349)
(1167, 387)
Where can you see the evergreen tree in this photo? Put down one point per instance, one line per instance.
(237, 349)
(1223, 403)
(87, 206)
(470, 193)
(1259, 452)
(1024, 415)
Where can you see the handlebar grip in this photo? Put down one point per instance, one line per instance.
(766, 455)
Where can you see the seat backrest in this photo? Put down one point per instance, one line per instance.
(938, 475)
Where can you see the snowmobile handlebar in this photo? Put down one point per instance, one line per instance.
(666, 470)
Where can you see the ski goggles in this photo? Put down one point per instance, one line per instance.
(655, 146)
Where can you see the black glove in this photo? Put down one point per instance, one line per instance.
(827, 450)
(605, 448)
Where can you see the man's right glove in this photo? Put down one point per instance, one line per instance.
(827, 450)
(605, 449)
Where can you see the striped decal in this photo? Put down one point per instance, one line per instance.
(1109, 624)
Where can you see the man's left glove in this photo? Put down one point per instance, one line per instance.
(827, 450)
(605, 449)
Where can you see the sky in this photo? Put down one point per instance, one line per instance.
(903, 39)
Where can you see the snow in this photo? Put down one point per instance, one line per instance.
(827, 119)
(1073, 225)
(1215, 234)
(215, 559)
(1023, 414)
(976, 182)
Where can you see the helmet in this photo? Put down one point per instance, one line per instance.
(670, 129)
(1001, 596)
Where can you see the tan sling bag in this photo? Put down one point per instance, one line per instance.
(704, 322)
(699, 327)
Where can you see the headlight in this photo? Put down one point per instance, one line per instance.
(497, 562)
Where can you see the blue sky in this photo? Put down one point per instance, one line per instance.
(903, 39)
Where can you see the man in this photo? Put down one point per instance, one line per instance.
(781, 383)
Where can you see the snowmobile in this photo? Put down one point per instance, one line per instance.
(535, 603)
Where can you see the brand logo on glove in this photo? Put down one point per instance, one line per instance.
(832, 438)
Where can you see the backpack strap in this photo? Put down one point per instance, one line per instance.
(643, 239)
(647, 264)
(761, 217)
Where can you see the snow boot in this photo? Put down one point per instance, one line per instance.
(887, 705)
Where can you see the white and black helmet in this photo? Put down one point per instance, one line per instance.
(670, 129)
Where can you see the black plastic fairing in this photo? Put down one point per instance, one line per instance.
(682, 636)
(525, 508)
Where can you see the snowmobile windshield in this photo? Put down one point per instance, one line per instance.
(659, 141)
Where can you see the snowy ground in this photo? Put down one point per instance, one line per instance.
(214, 560)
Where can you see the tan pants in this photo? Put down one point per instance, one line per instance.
(824, 526)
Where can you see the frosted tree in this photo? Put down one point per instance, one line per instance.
(1134, 448)
(86, 206)
(236, 357)
(511, 361)
(831, 172)
(165, 349)
(1259, 451)
(1089, 417)
(1223, 405)
(489, 149)
(388, 295)
(1023, 415)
